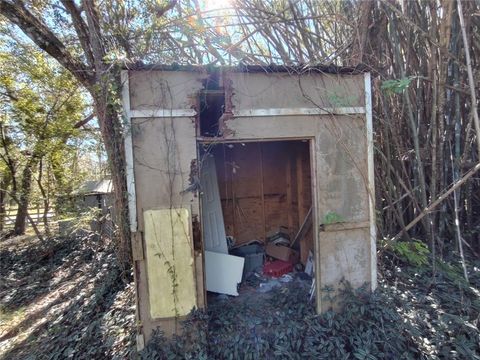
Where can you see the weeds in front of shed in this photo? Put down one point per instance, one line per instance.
(409, 316)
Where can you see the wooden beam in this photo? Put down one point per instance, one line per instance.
(200, 280)
(230, 198)
(371, 181)
(302, 231)
(162, 113)
(289, 193)
(137, 246)
(300, 189)
(260, 147)
(344, 226)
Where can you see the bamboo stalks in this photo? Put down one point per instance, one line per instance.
(471, 82)
(396, 40)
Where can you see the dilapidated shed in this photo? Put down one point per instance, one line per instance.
(94, 194)
(241, 152)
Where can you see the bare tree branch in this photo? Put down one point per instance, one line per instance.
(84, 121)
(41, 35)
(80, 27)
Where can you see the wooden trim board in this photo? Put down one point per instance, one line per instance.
(128, 146)
(298, 111)
(371, 181)
(162, 113)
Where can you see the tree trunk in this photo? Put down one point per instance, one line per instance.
(4, 183)
(108, 114)
(46, 200)
(24, 197)
(111, 130)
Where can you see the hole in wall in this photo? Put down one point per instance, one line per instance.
(212, 105)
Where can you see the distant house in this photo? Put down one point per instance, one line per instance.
(95, 194)
(92, 194)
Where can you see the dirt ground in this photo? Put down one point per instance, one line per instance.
(64, 298)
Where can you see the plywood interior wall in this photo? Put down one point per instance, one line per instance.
(264, 185)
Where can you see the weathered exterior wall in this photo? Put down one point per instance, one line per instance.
(164, 150)
(339, 158)
(150, 90)
(162, 169)
(308, 90)
(344, 256)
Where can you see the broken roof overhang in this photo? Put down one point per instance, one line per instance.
(272, 68)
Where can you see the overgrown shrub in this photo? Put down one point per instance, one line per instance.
(414, 253)
(412, 315)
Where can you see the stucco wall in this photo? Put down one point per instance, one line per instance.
(163, 150)
(164, 89)
(283, 90)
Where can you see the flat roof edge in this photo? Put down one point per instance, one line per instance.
(273, 68)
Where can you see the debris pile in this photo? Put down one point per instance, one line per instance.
(266, 266)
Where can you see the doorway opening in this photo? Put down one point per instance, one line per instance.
(256, 211)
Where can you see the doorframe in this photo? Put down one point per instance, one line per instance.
(313, 185)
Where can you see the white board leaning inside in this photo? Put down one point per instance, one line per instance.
(284, 142)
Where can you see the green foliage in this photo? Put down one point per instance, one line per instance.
(288, 328)
(40, 103)
(395, 86)
(412, 252)
(332, 218)
(409, 316)
(412, 314)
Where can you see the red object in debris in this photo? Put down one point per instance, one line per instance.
(277, 268)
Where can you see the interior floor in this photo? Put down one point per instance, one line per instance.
(264, 287)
